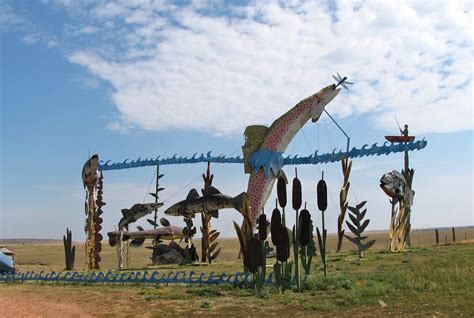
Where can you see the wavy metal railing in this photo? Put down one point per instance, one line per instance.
(145, 277)
(374, 150)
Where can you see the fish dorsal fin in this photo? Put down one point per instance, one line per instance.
(139, 228)
(254, 136)
(213, 191)
(125, 212)
(192, 194)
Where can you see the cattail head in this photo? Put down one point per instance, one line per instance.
(253, 258)
(296, 198)
(281, 191)
(322, 193)
(275, 226)
(305, 227)
(283, 246)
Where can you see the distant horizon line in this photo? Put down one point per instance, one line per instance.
(233, 237)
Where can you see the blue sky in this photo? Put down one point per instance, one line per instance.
(142, 79)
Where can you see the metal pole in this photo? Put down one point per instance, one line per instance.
(340, 128)
(156, 192)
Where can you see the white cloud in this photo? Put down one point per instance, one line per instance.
(219, 67)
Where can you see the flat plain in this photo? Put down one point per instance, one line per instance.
(427, 280)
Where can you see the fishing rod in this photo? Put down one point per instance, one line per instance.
(397, 123)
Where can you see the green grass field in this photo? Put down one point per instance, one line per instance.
(427, 281)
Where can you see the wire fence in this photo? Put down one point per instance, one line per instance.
(140, 277)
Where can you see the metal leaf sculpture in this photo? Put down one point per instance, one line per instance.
(346, 171)
(208, 254)
(357, 227)
(244, 233)
(70, 250)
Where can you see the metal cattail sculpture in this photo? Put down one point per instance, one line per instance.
(322, 195)
(346, 171)
(307, 246)
(358, 227)
(275, 225)
(296, 202)
(280, 239)
(281, 193)
(263, 225)
(254, 255)
(69, 249)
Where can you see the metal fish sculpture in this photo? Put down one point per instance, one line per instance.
(264, 147)
(138, 237)
(89, 171)
(395, 186)
(135, 212)
(211, 203)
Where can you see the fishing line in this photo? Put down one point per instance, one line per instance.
(195, 179)
(338, 171)
(309, 146)
(149, 185)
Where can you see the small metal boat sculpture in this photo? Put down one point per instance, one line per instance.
(400, 138)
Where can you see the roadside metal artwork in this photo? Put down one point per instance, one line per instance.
(357, 228)
(346, 171)
(69, 250)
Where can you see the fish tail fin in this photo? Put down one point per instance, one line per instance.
(112, 239)
(239, 202)
(137, 242)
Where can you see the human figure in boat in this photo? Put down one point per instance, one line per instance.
(404, 132)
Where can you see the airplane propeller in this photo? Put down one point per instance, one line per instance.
(342, 81)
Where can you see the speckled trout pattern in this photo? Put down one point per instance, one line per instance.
(279, 135)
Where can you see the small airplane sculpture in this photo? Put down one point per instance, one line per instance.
(342, 81)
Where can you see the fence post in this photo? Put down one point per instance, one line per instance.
(454, 235)
(437, 236)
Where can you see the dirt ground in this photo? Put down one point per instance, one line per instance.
(426, 281)
(37, 305)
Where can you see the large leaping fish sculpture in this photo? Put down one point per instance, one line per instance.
(267, 160)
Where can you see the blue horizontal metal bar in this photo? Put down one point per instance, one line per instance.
(374, 150)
